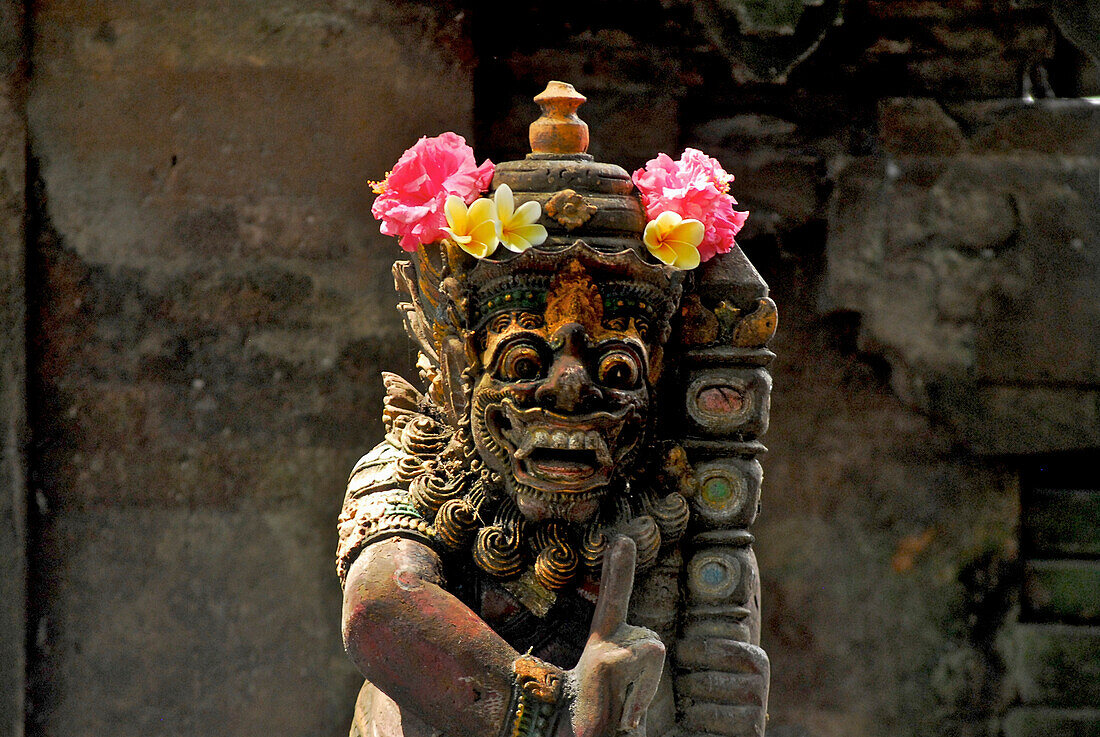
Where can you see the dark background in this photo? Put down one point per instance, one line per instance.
(196, 305)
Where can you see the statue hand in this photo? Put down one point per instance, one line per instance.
(618, 672)
(723, 688)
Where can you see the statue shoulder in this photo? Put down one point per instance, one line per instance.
(376, 506)
(375, 471)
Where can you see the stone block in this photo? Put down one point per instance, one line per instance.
(782, 191)
(218, 297)
(1061, 523)
(975, 277)
(1054, 664)
(1063, 590)
(169, 622)
(924, 9)
(1058, 127)
(917, 127)
(1018, 420)
(1038, 722)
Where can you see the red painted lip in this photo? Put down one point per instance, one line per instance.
(576, 466)
(557, 453)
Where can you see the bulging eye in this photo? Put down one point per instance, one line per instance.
(619, 370)
(520, 362)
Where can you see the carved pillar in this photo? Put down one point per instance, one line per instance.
(725, 401)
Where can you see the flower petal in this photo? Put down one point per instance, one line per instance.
(481, 210)
(486, 232)
(687, 256)
(651, 237)
(667, 220)
(664, 254)
(528, 212)
(475, 249)
(456, 213)
(515, 243)
(533, 234)
(688, 231)
(505, 202)
(459, 239)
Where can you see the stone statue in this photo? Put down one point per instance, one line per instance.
(552, 539)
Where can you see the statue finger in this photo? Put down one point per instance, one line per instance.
(650, 658)
(616, 585)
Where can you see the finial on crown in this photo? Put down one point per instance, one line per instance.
(559, 130)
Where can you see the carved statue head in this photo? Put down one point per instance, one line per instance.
(536, 438)
(562, 403)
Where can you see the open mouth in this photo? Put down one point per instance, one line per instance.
(553, 452)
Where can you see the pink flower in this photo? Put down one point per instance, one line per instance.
(695, 187)
(411, 200)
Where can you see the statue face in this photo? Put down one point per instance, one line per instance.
(559, 408)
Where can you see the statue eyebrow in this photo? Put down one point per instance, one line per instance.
(514, 336)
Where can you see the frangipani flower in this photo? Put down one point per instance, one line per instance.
(475, 229)
(412, 198)
(674, 240)
(695, 187)
(518, 228)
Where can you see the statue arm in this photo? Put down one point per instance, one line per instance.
(434, 656)
(422, 646)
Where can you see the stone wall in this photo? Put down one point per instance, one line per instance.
(13, 489)
(209, 305)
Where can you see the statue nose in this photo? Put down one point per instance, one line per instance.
(569, 386)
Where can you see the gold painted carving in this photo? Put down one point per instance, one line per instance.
(570, 209)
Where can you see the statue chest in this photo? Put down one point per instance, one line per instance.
(557, 636)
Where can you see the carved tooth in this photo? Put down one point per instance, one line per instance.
(591, 440)
(560, 440)
(603, 455)
(576, 440)
(540, 439)
(526, 446)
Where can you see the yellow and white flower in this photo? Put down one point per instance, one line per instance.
(519, 228)
(674, 240)
(475, 229)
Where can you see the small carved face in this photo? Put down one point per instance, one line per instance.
(560, 406)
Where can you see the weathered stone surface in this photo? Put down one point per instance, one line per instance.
(213, 307)
(975, 278)
(1054, 127)
(13, 488)
(886, 557)
(1038, 722)
(1061, 523)
(917, 127)
(1054, 664)
(168, 622)
(217, 293)
(1062, 590)
(956, 50)
(1002, 420)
